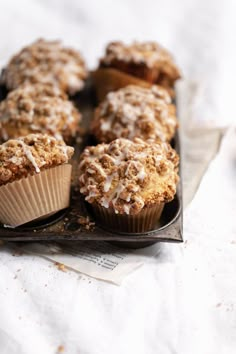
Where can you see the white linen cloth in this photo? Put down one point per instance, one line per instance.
(183, 300)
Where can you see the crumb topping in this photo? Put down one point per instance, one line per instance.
(46, 62)
(38, 109)
(128, 175)
(40, 89)
(151, 54)
(31, 154)
(135, 111)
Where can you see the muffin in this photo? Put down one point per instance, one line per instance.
(34, 178)
(128, 182)
(142, 64)
(38, 109)
(46, 62)
(133, 111)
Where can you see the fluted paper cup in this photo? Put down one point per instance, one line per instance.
(107, 80)
(35, 196)
(144, 221)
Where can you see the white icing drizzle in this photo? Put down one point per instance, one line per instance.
(108, 182)
(90, 170)
(16, 160)
(139, 200)
(99, 169)
(106, 126)
(54, 64)
(127, 208)
(29, 155)
(128, 111)
(115, 174)
(139, 167)
(22, 156)
(83, 190)
(128, 167)
(64, 150)
(142, 174)
(104, 203)
(113, 197)
(58, 136)
(117, 193)
(37, 112)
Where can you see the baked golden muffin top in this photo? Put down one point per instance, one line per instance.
(38, 109)
(31, 154)
(46, 62)
(40, 89)
(135, 111)
(128, 175)
(144, 54)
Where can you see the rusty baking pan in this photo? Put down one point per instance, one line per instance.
(76, 222)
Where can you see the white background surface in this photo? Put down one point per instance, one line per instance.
(200, 33)
(183, 300)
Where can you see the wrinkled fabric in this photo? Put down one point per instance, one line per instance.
(181, 301)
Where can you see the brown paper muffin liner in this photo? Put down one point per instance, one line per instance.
(144, 221)
(107, 80)
(35, 196)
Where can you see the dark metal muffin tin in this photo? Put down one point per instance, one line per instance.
(70, 224)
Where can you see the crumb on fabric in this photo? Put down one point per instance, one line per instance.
(60, 349)
(61, 266)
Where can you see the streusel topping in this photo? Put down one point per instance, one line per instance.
(46, 62)
(37, 108)
(128, 175)
(135, 111)
(31, 154)
(151, 54)
(40, 89)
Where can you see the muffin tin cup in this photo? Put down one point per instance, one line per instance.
(107, 80)
(65, 224)
(144, 221)
(35, 196)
